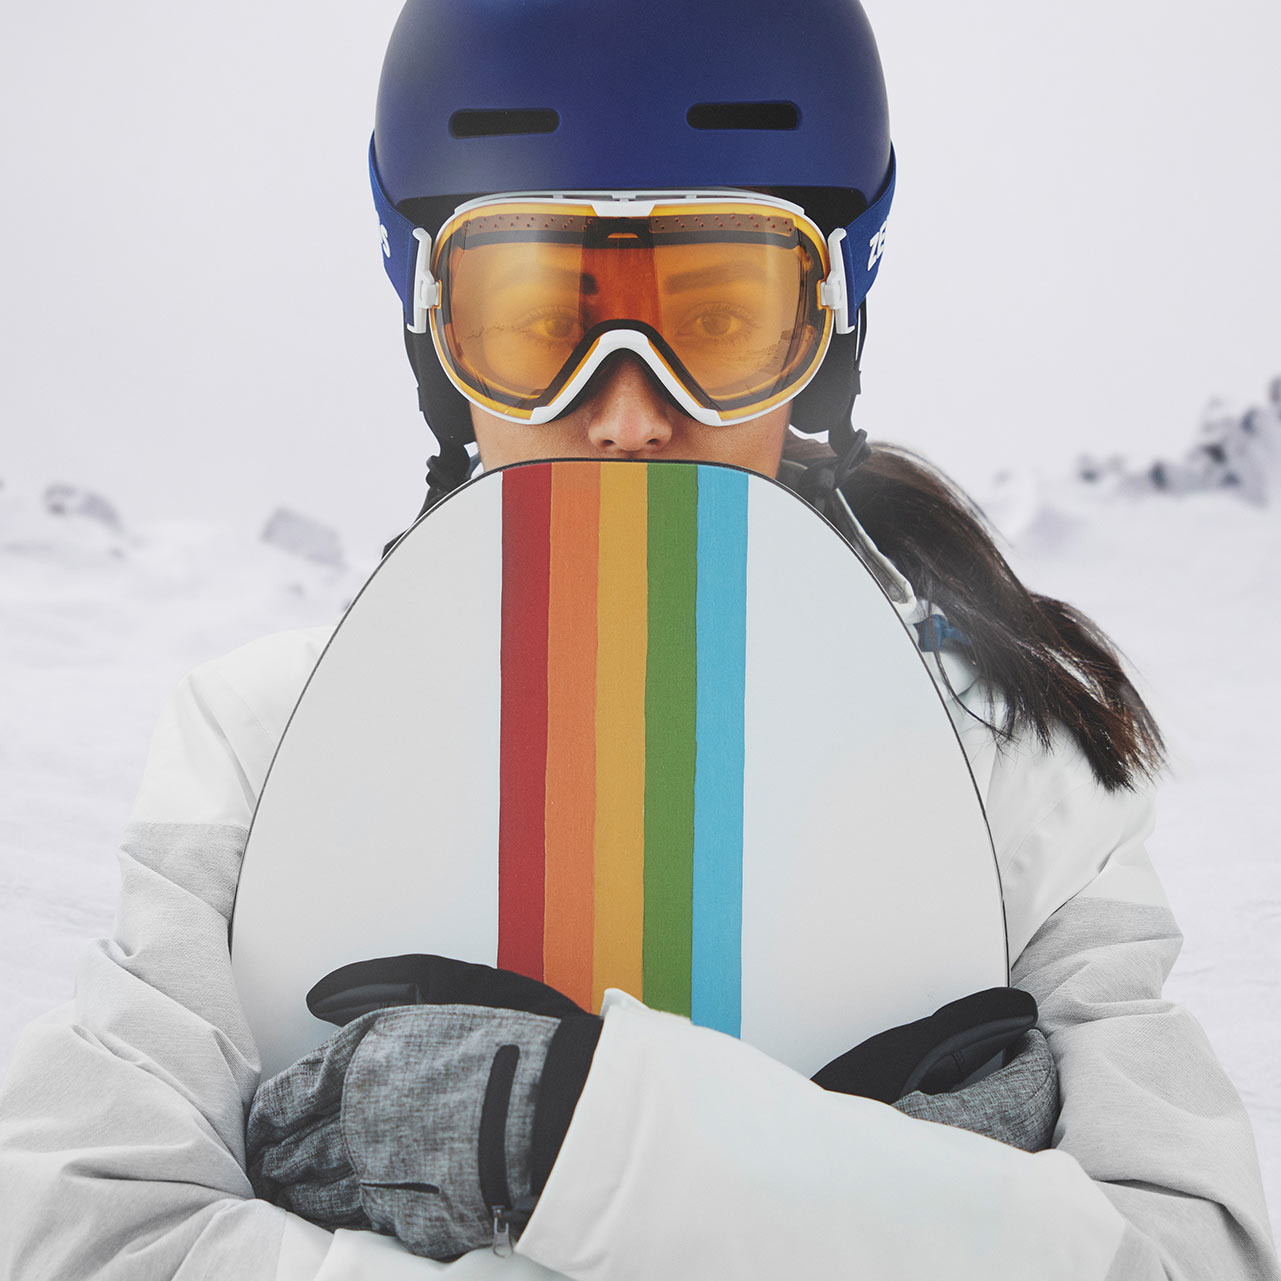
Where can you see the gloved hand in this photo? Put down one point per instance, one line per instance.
(921, 1068)
(438, 1123)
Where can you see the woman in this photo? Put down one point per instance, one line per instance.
(690, 1155)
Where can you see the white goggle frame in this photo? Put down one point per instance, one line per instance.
(833, 294)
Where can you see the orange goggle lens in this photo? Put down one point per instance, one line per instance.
(726, 293)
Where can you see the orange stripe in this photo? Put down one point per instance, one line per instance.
(571, 729)
(620, 731)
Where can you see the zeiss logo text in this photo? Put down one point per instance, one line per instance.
(877, 244)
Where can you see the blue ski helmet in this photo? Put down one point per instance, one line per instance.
(486, 96)
(537, 95)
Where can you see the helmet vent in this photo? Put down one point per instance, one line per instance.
(503, 121)
(743, 115)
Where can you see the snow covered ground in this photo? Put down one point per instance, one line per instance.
(98, 622)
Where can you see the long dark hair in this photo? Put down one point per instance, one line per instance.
(1048, 661)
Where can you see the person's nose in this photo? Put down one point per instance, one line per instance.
(628, 414)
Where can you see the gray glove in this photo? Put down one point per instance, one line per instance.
(420, 1121)
(1017, 1104)
(921, 1068)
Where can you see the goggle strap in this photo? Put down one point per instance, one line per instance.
(861, 245)
(400, 247)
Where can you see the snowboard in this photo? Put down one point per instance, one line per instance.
(641, 725)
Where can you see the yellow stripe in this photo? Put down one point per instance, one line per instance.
(620, 731)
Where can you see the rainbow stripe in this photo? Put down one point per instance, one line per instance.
(621, 810)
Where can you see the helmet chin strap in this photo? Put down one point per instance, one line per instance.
(821, 483)
(448, 417)
(830, 409)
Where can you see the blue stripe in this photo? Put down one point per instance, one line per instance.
(717, 954)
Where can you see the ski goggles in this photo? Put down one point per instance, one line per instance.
(729, 297)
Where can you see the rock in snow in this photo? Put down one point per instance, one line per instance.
(1240, 453)
(304, 537)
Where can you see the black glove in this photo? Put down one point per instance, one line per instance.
(921, 1068)
(353, 990)
(935, 1053)
(436, 1122)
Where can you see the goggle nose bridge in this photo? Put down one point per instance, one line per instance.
(640, 345)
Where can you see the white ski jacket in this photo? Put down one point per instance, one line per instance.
(691, 1156)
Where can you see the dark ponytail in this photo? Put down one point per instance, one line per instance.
(1047, 659)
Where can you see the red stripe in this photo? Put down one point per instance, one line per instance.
(523, 758)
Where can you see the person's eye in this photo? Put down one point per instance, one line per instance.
(720, 323)
(552, 325)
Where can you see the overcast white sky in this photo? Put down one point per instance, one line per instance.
(1084, 247)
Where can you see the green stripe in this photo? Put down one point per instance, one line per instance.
(670, 710)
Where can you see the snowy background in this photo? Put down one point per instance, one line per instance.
(1083, 248)
(197, 332)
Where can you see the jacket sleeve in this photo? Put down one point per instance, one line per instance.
(1146, 1109)
(691, 1155)
(1153, 1173)
(122, 1116)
